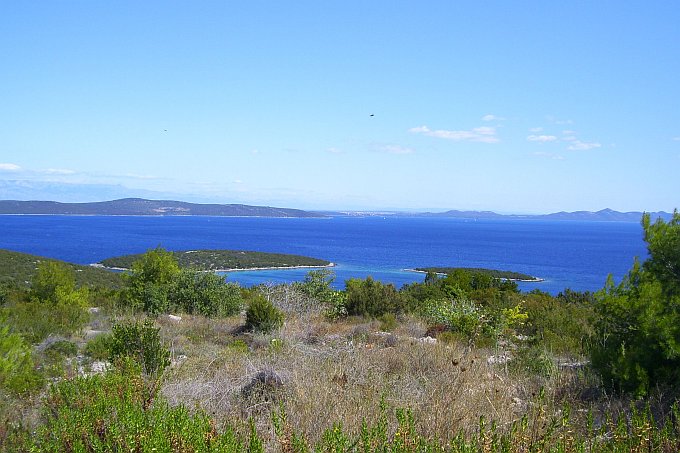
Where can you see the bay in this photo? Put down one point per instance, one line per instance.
(577, 255)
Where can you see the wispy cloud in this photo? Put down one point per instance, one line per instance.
(492, 118)
(549, 155)
(9, 167)
(58, 171)
(542, 138)
(676, 139)
(578, 145)
(395, 149)
(536, 129)
(482, 134)
(142, 177)
(554, 120)
(335, 151)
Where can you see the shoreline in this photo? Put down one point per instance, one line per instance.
(241, 269)
(533, 280)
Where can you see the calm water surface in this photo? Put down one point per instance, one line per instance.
(578, 255)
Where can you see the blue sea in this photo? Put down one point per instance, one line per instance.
(577, 255)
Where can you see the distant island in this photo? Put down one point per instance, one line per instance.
(505, 275)
(143, 207)
(225, 260)
(604, 215)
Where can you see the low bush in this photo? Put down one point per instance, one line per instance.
(98, 348)
(262, 315)
(372, 298)
(142, 343)
(117, 412)
(17, 368)
(204, 293)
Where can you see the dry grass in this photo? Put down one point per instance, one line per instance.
(338, 373)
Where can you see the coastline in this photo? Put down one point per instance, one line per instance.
(533, 280)
(240, 269)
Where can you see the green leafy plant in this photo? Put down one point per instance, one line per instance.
(372, 298)
(262, 315)
(142, 343)
(98, 347)
(637, 340)
(204, 293)
(17, 367)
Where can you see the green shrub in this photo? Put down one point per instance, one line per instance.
(17, 368)
(117, 412)
(336, 306)
(317, 284)
(372, 298)
(262, 315)
(461, 316)
(204, 293)
(637, 341)
(56, 306)
(388, 322)
(36, 321)
(98, 348)
(142, 343)
(149, 280)
(62, 348)
(534, 360)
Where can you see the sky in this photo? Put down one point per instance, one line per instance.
(515, 107)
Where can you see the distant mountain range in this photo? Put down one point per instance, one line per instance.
(605, 215)
(142, 207)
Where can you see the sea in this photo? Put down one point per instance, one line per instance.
(566, 254)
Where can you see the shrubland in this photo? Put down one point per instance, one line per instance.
(180, 360)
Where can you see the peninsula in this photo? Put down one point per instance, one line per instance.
(143, 207)
(225, 260)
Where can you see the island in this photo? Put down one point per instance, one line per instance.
(225, 260)
(143, 207)
(505, 275)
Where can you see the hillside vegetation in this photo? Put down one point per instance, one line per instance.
(211, 260)
(178, 360)
(509, 275)
(20, 268)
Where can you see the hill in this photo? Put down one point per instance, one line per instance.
(140, 206)
(20, 268)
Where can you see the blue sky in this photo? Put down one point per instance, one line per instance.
(524, 107)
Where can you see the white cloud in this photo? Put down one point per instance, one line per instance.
(58, 171)
(9, 167)
(335, 151)
(554, 120)
(492, 118)
(482, 134)
(238, 181)
(541, 138)
(549, 155)
(395, 149)
(677, 139)
(142, 177)
(578, 145)
(536, 129)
